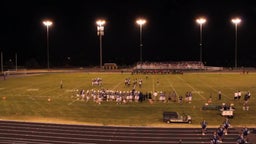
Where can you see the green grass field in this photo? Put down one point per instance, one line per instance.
(26, 98)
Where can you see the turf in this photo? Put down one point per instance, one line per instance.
(40, 98)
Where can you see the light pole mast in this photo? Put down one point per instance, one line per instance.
(236, 21)
(141, 22)
(201, 21)
(47, 23)
(100, 33)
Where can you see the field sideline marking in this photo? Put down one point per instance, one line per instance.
(191, 87)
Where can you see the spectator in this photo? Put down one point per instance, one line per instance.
(246, 132)
(226, 125)
(204, 126)
(214, 139)
(220, 132)
(240, 139)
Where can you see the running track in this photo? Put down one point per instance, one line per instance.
(45, 133)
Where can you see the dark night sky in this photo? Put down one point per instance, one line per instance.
(171, 33)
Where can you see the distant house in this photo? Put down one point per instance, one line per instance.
(110, 66)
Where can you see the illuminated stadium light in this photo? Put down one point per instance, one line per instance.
(141, 21)
(236, 20)
(100, 22)
(47, 23)
(201, 20)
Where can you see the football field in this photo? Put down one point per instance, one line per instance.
(40, 98)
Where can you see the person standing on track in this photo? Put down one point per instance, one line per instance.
(204, 127)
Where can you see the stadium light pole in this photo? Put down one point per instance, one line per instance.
(201, 21)
(100, 33)
(236, 21)
(141, 22)
(47, 23)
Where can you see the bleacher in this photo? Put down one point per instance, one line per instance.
(168, 67)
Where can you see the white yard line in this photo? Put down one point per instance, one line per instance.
(33, 89)
(35, 101)
(153, 85)
(171, 85)
(117, 85)
(40, 94)
(216, 90)
(192, 87)
(44, 92)
(72, 102)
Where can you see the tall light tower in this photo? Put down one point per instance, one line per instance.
(47, 23)
(100, 33)
(236, 21)
(141, 22)
(201, 21)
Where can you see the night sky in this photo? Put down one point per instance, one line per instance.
(170, 34)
